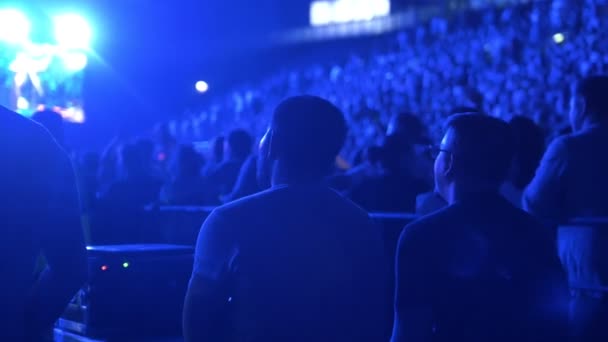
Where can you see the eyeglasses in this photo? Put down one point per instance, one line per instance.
(434, 151)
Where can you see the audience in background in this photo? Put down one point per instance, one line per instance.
(237, 149)
(40, 216)
(476, 268)
(393, 188)
(187, 187)
(165, 148)
(139, 184)
(120, 208)
(529, 149)
(216, 157)
(500, 61)
(480, 269)
(298, 262)
(247, 181)
(369, 167)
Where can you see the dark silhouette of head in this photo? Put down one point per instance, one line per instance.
(238, 145)
(189, 162)
(393, 153)
(529, 142)
(305, 136)
(53, 122)
(136, 158)
(408, 125)
(218, 149)
(475, 155)
(589, 102)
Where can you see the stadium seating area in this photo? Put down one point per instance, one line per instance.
(509, 61)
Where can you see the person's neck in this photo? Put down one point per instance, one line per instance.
(462, 192)
(283, 175)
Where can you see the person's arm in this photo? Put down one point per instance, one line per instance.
(544, 196)
(62, 242)
(413, 312)
(206, 299)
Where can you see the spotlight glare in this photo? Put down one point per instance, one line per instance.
(559, 38)
(75, 61)
(201, 86)
(72, 31)
(14, 26)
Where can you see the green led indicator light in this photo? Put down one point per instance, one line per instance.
(125, 264)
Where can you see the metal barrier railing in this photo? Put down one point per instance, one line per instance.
(580, 243)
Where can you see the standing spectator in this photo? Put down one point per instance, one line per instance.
(480, 269)
(297, 262)
(571, 184)
(571, 180)
(40, 216)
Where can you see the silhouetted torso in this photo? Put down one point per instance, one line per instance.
(30, 176)
(572, 181)
(308, 266)
(487, 271)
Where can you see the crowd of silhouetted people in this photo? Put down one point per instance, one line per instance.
(492, 132)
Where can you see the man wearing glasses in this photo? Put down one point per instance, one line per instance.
(480, 269)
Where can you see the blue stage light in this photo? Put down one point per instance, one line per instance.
(14, 26)
(72, 31)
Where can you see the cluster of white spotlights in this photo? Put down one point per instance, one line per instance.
(71, 30)
(14, 26)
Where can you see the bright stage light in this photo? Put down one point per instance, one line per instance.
(75, 61)
(201, 86)
(72, 31)
(14, 26)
